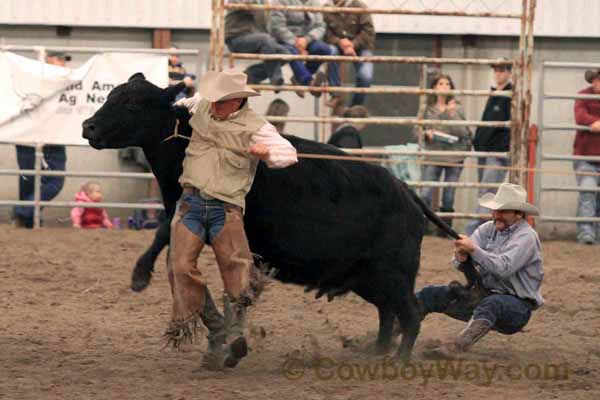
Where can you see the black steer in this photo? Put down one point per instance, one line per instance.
(333, 226)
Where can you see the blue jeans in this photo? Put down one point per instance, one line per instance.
(589, 202)
(487, 176)
(364, 73)
(205, 218)
(304, 72)
(506, 314)
(434, 173)
(260, 43)
(55, 158)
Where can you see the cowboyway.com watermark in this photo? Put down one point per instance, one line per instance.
(326, 368)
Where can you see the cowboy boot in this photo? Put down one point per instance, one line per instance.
(214, 358)
(235, 320)
(475, 330)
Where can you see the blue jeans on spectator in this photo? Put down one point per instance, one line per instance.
(260, 43)
(589, 202)
(506, 314)
(364, 73)
(487, 176)
(304, 72)
(434, 173)
(55, 159)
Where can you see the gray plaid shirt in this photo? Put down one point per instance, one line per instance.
(510, 261)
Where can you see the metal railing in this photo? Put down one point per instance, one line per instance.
(541, 156)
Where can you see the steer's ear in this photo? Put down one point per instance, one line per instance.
(172, 91)
(137, 75)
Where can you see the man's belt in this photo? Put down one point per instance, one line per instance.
(194, 191)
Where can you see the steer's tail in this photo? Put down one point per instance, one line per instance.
(440, 223)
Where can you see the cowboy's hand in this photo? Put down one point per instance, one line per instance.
(191, 103)
(301, 44)
(259, 150)
(464, 245)
(460, 255)
(595, 126)
(189, 82)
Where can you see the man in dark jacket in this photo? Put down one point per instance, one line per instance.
(247, 32)
(350, 35)
(493, 139)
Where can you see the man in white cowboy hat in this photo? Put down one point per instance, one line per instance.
(227, 142)
(507, 253)
(587, 143)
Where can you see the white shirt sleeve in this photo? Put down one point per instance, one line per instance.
(191, 103)
(281, 152)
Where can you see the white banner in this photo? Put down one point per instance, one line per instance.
(42, 103)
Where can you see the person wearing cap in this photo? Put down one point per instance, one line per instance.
(177, 73)
(55, 159)
(587, 143)
(507, 253)
(493, 139)
(278, 108)
(227, 142)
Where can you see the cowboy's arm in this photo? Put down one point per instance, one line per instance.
(191, 103)
(516, 254)
(476, 240)
(272, 148)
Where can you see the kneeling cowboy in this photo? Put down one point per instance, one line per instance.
(507, 252)
(227, 142)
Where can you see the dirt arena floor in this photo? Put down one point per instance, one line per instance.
(70, 328)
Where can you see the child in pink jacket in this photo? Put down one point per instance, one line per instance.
(90, 192)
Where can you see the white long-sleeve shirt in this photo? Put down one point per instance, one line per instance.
(281, 152)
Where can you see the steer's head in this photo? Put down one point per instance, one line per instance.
(133, 111)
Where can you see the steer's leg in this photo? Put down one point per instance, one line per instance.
(386, 323)
(408, 315)
(142, 273)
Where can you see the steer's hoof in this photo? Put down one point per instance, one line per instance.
(140, 278)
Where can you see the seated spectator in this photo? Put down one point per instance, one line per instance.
(587, 143)
(246, 32)
(302, 33)
(347, 135)
(350, 35)
(55, 159)
(278, 108)
(177, 73)
(83, 217)
(444, 138)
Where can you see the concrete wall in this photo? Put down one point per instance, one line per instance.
(474, 77)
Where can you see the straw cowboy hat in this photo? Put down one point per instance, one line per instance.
(508, 197)
(592, 74)
(225, 85)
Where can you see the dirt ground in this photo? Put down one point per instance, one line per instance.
(71, 329)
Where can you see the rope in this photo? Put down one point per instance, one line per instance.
(387, 161)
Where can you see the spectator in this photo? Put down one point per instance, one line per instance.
(444, 108)
(55, 159)
(247, 32)
(302, 33)
(494, 139)
(350, 35)
(347, 135)
(83, 217)
(278, 108)
(177, 73)
(587, 143)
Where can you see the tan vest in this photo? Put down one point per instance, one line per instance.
(213, 169)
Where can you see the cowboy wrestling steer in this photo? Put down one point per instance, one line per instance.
(333, 226)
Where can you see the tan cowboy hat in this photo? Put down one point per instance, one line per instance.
(225, 85)
(591, 74)
(508, 197)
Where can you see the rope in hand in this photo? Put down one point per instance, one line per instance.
(387, 161)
